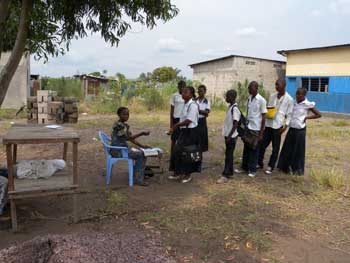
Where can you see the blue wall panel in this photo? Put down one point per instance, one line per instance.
(336, 100)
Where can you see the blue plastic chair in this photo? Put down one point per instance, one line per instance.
(110, 161)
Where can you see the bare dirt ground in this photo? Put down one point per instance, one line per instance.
(276, 218)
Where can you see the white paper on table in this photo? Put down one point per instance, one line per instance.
(151, 151)
(54, 126)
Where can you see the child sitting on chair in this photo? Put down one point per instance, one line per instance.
(120, 135)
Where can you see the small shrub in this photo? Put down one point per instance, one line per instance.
(153, 99)
(65, 87)
(218, 103)
(333, 178)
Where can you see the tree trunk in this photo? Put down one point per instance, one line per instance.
(10, 68)
(4, 9)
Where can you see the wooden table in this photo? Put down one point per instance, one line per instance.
(37, 134)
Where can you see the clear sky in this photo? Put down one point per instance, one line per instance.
(207, 29)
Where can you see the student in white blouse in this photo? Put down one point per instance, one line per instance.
(176, 106)
(292, 157)
(275, 125)
(204, 110)
(187, 127)
(256, 111)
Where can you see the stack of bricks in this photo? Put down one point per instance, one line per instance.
(48, 108)
(32, 106)
(71, 110)
(44, 98)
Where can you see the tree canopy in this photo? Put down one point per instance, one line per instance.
(46, 27)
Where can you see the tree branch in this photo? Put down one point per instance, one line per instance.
(16, 54)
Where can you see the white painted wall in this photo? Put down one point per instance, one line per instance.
(20, 85)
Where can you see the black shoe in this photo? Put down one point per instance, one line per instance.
(142, 183)
(186, 179)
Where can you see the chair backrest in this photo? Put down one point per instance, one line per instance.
(105, 140)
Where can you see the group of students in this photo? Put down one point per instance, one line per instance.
(263, 124)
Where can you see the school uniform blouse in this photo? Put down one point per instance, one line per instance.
(300, 111)
(203, 105)
(177, 101)
(284, 106)
(232, 114)
(190, 112)
(256, 107)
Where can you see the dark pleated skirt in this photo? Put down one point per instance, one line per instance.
(203, 133)
(186, 137)
(292, 156)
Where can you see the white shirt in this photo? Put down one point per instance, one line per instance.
(177, 101)
(284, 106)
(232, 114)
(190, 112)
(300, 111)
(203, 105)
(256, 107)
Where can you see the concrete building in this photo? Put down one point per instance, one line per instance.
(324, 72)
(220, 74)
(19, 87)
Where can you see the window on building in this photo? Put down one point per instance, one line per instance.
(248, 62)
(315, 84)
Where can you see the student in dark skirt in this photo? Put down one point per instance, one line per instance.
(204, 110)
(176, 105)
(292, 157)
(188, 135)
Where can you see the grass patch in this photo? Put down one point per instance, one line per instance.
(340, 123)
(333, 178)
(8, 114)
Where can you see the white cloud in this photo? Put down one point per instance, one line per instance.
(169, 45)
(249, 32)
(340, 7)
(316, 13)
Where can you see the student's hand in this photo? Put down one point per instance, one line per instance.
(283, 129)
(146, 146)
(145, 133)
(227, 140)
(260, 137)
(171, 130)
(305, 119)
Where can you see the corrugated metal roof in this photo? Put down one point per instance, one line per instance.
(285, 52)
(232, 56)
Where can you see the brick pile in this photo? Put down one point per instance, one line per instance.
(48, 108)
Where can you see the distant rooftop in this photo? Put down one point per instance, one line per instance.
(285, 52)
(232, 56)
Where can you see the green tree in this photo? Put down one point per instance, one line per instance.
(46, 27)
(165, 74)
(95, 73)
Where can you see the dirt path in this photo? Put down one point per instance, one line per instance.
(267, 219)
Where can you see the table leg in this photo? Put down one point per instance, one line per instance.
(65, 150)
(14, 153)
(75, 163)
(13, 215)
(75, 208)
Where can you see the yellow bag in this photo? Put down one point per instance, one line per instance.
(271, 112)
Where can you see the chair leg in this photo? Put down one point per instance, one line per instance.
(109, 171)
(131, 172)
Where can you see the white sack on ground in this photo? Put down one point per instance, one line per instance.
(35, 169)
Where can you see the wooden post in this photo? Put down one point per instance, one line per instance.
(65, 150)
(14, 154)
(11, 184)
(75, 163)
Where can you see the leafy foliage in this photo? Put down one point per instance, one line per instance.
(65, 87)
(55, 23)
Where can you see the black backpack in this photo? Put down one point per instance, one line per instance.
(242, 123)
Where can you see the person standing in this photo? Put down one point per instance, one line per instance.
(233, 115)
(176, 106)
(188, 136)
(204, 110)
(280, 108)
(292, 157)
(256, 111)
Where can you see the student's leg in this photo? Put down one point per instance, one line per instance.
(230, 147)
(253, 160)
(139, 166)
(298, 162)
(276, 143)
(285, 158)
(245, 158)
(268, 132)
